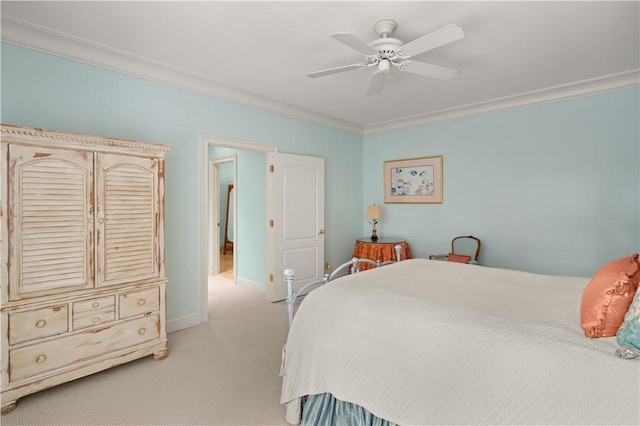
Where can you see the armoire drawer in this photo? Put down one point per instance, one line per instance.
(42, 357)
(139, 302)
(37, 323)
(92, 312)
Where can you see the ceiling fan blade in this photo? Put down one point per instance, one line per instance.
(445, 35)
(355, 43)
(376, 83)
(428, 70)
(335, 70)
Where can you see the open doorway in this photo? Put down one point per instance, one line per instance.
(249, 265)
(222, 234)
(256, 195)
(227, 237)
(222, 222)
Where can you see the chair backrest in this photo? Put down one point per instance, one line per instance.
(466, 245)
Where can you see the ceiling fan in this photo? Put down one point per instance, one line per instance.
(386, 53)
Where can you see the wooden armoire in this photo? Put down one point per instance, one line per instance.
(82, 262)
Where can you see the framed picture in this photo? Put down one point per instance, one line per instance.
(414, 180)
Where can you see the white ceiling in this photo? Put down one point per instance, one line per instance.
(258, 53)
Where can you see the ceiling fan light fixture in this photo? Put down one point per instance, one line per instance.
(384, 65)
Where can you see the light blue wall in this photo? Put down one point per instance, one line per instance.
(550, 188)
(45, 91)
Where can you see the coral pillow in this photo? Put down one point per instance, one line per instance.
(459, 258)
(628, 335)
(607, 297)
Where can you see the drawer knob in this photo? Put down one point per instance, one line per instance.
(96, 320)
(141, 302)
(142, 331)
(41, 323)
(95, 304)
(41, 359)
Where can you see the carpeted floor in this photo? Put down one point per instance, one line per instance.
(224, 372)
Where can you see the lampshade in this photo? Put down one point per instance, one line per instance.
(373, 212)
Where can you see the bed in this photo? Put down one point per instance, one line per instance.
(429, 342)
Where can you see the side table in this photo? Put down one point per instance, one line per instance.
(381, 250)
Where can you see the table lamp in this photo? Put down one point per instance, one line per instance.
(374, 213)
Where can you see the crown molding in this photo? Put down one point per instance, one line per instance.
(550, 94)
(41, 137)
(59, 44)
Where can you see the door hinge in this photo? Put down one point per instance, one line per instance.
(271, 223)
(272, 168)
(271, 277)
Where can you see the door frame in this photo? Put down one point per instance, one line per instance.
(220, 141)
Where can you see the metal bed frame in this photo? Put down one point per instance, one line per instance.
(350, 267)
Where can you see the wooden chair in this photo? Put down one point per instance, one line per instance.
(464, 249)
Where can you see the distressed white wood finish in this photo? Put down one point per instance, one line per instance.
(82, 262)
(127, 216)
(93, 312)
(38, 323)
(52, 234)
(31, 360)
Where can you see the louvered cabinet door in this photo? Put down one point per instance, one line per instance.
(50, 221)
(127, 219)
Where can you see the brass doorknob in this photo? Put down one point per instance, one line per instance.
(321, 232)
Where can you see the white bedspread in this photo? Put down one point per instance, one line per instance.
(431, 342)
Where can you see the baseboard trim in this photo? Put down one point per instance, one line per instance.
(183, 323)
(251, 285)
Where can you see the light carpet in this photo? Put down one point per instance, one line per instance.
(224, 372)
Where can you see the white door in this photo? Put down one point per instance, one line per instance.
(296, 220)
